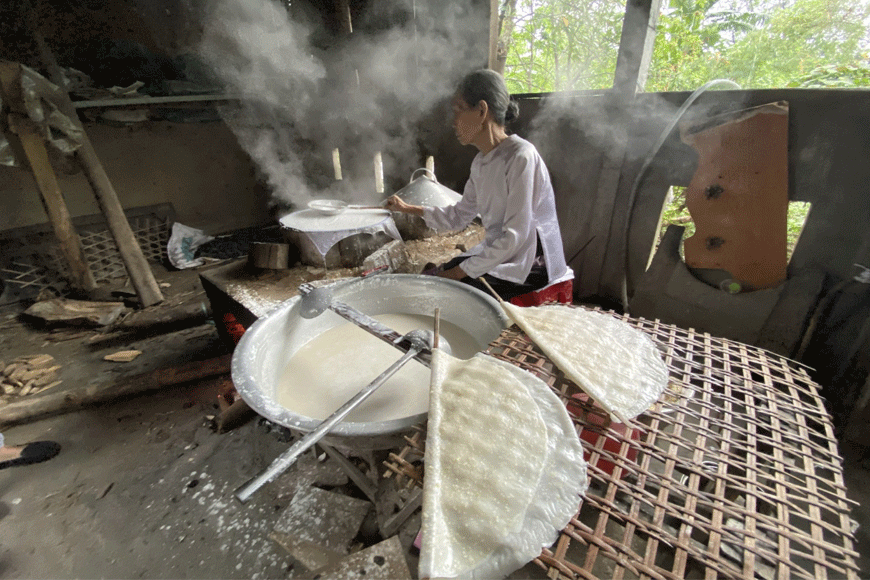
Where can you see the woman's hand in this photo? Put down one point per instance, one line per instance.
(395, 203)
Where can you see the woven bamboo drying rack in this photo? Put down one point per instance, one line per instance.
(734, 473)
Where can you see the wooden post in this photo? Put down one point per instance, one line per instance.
(25, 138)
(493, 35)
(138, 269)
(602, 264)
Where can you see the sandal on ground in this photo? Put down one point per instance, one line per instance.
(36, 452)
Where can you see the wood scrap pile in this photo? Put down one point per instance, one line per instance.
(28, 375)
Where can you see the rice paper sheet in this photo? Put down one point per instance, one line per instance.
(617, 365)
(504, 469)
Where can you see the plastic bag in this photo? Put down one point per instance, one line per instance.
(182, 246)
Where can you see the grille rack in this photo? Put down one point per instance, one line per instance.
(733, 473)
(31, 260)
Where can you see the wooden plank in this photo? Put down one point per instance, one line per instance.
(632, 64)
(602, 215)
(138, 269)
(33, 147)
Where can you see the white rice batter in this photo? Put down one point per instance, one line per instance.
(331, 368)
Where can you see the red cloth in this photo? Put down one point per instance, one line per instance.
(616, 436)
(562, 292)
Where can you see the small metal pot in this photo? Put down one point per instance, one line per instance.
(422, 190)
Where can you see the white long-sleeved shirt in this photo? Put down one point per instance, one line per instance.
(510, 189)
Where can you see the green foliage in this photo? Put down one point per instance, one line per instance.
(833, 76)
(675, 212)
(770, 44)
(558, 45)
(798, 211)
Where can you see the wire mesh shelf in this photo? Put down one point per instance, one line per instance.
(31, 259)
(733, 473)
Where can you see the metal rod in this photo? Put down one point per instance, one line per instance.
(286, 459)
(366, 322)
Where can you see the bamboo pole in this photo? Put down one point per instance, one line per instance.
(33, 146)
(138, 269)
(29, 144)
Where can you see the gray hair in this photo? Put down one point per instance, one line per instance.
(487, 85)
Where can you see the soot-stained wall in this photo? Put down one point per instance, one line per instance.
(818, 315)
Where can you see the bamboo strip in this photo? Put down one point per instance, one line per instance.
(737, 472)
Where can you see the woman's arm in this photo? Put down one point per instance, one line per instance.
(395, 203)
(519, 220)
(452, 217)
(457, 216)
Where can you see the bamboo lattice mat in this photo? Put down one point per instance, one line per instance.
(734, 473)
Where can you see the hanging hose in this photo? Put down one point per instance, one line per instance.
(640, 175)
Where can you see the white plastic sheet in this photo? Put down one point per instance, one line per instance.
(182, 245)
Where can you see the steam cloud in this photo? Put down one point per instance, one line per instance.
(363, 93)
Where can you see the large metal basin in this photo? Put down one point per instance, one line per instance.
(266, 348)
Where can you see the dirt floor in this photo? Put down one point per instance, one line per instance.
(143, 488)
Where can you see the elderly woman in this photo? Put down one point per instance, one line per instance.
(509, 188)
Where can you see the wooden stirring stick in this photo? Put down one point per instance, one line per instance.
(488, 287)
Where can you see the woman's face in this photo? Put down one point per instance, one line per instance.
(466, 120)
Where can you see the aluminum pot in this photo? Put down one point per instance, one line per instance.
(422, 190)
(264, 350)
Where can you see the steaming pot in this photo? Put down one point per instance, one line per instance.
(338, 241)
(422, 190)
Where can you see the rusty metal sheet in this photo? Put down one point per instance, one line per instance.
(738, 198)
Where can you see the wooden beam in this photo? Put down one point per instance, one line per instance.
(137, 266)
(148, 101)
(632, 65)
(58, 401)
(636, 46)
(493, 35)
(24, 137)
